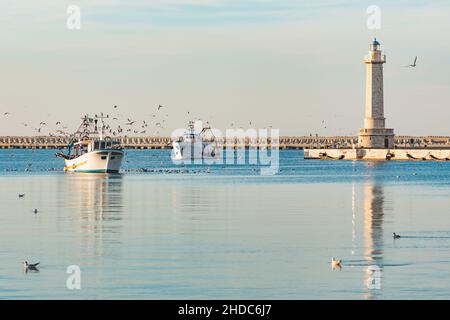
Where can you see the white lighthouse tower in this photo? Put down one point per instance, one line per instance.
(374, 135)
(375, 142)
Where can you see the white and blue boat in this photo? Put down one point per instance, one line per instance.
(92, 152)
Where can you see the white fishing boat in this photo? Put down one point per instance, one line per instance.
(195, 144)
(91, 151)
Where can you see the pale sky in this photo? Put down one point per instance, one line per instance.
(282, 63)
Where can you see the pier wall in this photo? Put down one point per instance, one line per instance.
(285, 142)
(379, 154)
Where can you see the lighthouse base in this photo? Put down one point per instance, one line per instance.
(376, 138)
(378, 154)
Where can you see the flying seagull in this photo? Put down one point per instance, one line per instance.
(412, 65)
(396, 236)
(159, 107)
(30, 266)
(21, 195)
(35, 211)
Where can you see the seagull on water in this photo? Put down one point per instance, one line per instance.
(412, 65)
(396, 236)
(35, 211)
(336, 263)
(30, 266)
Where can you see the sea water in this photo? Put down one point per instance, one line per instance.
(165, 231)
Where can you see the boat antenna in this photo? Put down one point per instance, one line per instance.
(102, 124)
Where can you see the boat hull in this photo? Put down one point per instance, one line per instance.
(186, 151)
(99, 161)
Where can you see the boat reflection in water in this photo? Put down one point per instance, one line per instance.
(98, 199)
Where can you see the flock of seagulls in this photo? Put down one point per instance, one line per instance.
(130, 126)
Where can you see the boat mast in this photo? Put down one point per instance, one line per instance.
(84, 129)
(102, 124)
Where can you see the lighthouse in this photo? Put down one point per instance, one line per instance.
(374, 135)
(375, 142)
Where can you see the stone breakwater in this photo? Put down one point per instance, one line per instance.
(379, 154)
(284, 142)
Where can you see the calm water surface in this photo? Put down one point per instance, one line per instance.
(224, 231)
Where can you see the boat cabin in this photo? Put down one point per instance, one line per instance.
(85, 146)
